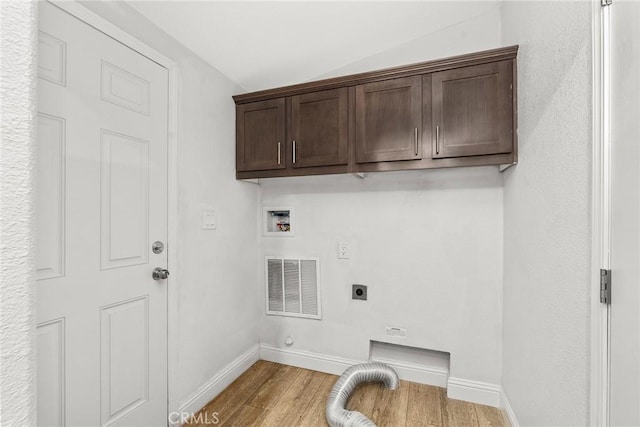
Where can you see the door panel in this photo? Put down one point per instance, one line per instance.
(473, 110)
(260, 130)
(125, 337)
(51, 197)
(319, 127)
(124, 200)
(52, 59)
(389, 120)
(625, 215)
(102, 201)
(125, 89)
(51, 376)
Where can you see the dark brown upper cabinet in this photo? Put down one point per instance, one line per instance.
(260, 135)
(451, 112)
(320, 129)
(389, 120)
(473, 110)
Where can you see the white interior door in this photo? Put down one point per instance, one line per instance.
(625, 214)
(101, 203)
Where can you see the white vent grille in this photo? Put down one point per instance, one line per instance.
(293, 287)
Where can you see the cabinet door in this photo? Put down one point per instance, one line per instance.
(388, 120)
(473, 110)
(319, 128)
(260, 135)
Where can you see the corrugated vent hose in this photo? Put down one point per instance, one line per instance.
(337, 415)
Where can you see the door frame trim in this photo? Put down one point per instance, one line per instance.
(76, 9)
(600, 226)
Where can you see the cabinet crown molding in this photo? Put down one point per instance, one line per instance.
(476, 58)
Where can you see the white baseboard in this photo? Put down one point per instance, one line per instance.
(474, 391)
(416, 373)
(305, 359)
(337, 365)
(220, 381)
(457, 388)
(507, 410)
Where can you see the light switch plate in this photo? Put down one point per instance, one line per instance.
(209, 219)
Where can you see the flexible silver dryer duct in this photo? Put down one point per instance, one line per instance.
(337, 415)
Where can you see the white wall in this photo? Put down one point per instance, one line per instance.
(481, 32)
(272, 43)
(428, 244)
(546, 215)
(17, 266)
(218, 310)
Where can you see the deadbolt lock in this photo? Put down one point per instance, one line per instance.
(157, 247)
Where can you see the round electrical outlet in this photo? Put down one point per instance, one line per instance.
(359, 292)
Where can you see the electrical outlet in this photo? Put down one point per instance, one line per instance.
(359, 292)
(209, 220)
(343, 250)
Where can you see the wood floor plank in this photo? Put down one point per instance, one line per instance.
(314, 415)
(444, 407)
(295, 400)
(489, 416)
(268, 394)
(461, 413)
(391, 406)
(274, 395)
(234, 396)
(424, 408)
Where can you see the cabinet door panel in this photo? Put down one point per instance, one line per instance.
(260, 135)
(473, 110)
(319, 124)
(389, 120)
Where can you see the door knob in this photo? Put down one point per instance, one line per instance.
(160, 273)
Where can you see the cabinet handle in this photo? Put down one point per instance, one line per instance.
(278, 152)
(294, 151)
(416, 140)
(437, 139)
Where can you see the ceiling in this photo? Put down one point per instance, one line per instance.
(266, 44)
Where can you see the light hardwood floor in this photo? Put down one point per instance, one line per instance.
(273, 395)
